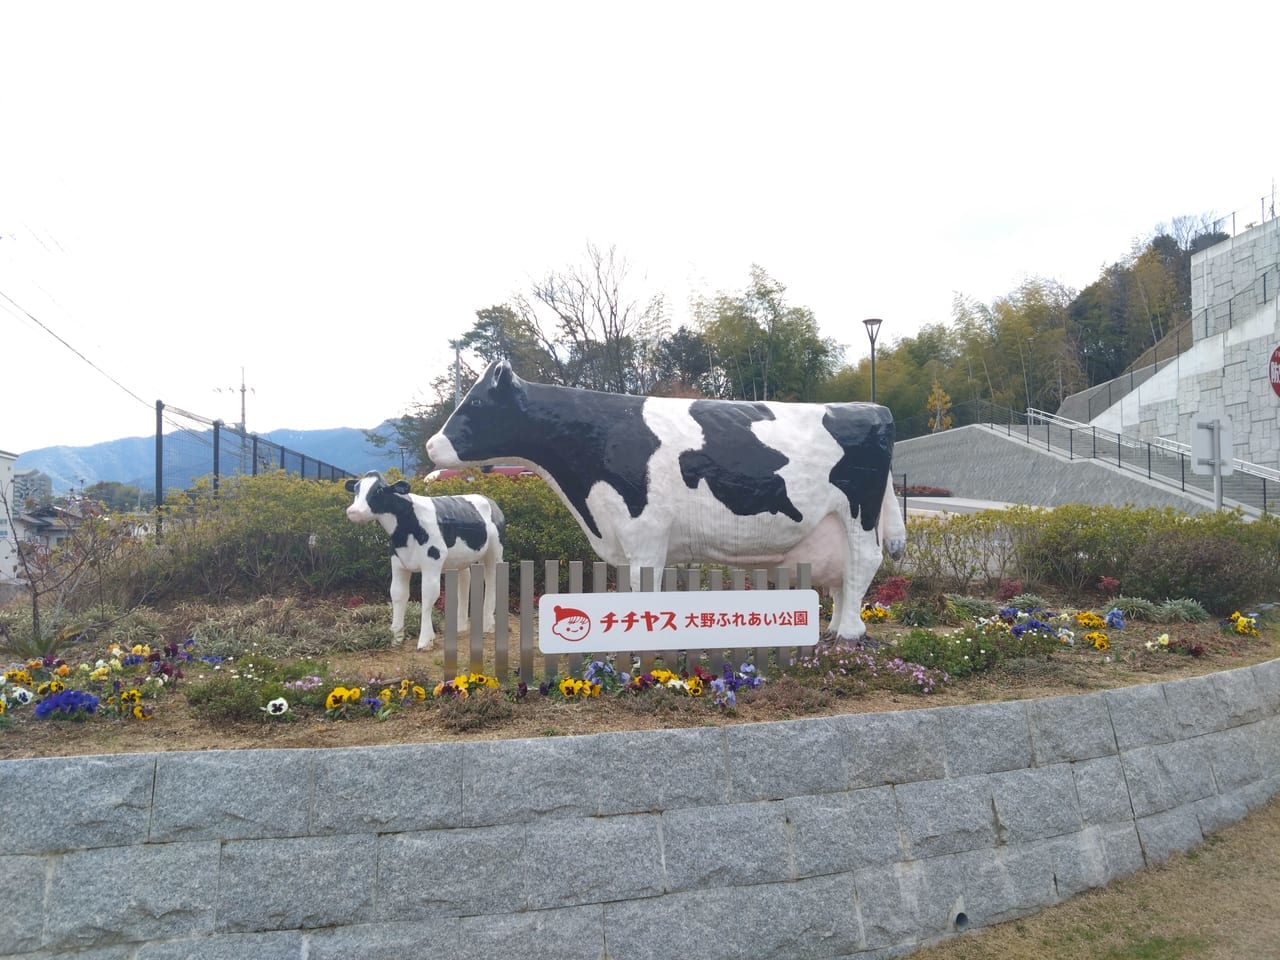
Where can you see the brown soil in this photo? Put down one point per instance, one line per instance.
(174, 726)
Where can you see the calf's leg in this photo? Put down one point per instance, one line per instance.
(399, 601)
(431, 583)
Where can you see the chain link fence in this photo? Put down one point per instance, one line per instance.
(189, 447)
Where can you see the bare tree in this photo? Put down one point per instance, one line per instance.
(53, 577)
(608, 336)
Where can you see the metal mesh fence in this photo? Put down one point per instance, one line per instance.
(190, 447)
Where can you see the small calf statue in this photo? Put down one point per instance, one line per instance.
(428, 536)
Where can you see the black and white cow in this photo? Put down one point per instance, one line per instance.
(430, 535)
(655, 480)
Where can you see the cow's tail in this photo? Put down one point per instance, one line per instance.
(893, 528)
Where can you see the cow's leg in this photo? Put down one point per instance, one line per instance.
(862, 559)
(464, 598)
(490, 591)
(399, 600)
(430, 591)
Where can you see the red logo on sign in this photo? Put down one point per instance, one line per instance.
(1273, 371)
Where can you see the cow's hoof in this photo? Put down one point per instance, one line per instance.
(424, 646)
(869, 643)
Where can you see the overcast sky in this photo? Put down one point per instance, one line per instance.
(324, 194)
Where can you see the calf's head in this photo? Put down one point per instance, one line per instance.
(372, 496)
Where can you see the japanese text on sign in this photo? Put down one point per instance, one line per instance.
(577, 622)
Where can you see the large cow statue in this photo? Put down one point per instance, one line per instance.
(655, 480)
(430, 535)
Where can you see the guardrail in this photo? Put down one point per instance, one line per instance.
(1253, 488)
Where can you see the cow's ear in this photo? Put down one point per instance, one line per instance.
(508, 389)
(352, 484)
(503, 375)
(400, 486)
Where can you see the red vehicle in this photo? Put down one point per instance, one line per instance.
(469, 473)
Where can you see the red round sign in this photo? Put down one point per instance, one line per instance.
(1273, 370)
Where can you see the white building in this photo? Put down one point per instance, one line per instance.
(8, 546)
(1233, 369)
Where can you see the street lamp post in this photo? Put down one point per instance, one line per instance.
(873, 327)
(1031, 372)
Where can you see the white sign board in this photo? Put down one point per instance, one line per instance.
(1204, 454)
(591, 622)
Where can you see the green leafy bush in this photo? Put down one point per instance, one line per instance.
(1136, 608)
(955, 653)
(1181, 610)
(1073, 546)
(1028, 601)
(230, 699)
(970, 608)
(1214, 569)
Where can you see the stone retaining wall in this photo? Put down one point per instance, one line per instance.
(854, 836)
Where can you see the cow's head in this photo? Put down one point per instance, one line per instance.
(372, 495)
(488, 424)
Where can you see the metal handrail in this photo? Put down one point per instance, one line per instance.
(1176, 447)
(1251, 486)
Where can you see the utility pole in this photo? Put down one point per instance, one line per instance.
(457, 373)
(242, 426)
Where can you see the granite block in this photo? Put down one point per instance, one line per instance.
(725, 846)
(295, 883)
(143, 892)
(431, 873)
(946, 816)
(52, 804)
(839, 832)
(231, 794)
(388, 789)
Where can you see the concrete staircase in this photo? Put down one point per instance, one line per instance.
(1048, 461)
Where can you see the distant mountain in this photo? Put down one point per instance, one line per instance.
(132, 460)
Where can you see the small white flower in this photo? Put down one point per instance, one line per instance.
(277, 707)
(21, 695)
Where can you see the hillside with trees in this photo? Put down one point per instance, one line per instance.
(582, 326)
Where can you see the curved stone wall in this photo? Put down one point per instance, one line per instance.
(853, 836)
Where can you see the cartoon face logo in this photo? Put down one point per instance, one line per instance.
(571, 624)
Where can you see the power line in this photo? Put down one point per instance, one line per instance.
(36, 320)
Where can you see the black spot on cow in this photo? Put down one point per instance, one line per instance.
(740, 469)
(865, 434)
(460, 520)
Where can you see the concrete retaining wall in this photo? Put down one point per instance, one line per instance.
(978, 463)
(853, 836)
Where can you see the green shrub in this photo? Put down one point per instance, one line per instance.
(919, 613)
(1181, 610)
(1073, 546)
(1210, 567)
(1028, 601)
(1136, 608)
(964, 608)
(228, 699)
(955, 653)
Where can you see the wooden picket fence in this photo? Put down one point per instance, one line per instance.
(507, 657)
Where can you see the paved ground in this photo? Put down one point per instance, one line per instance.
(933, 505)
